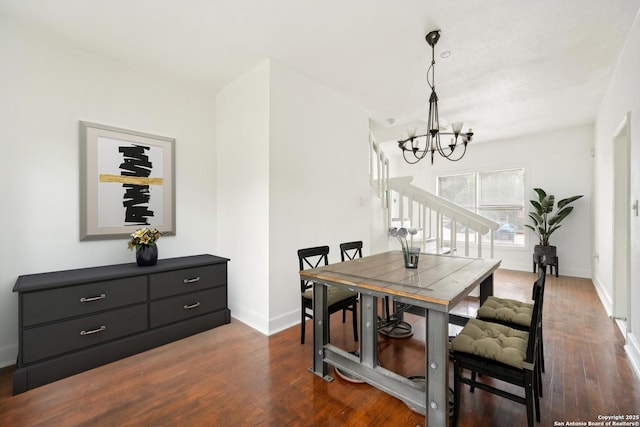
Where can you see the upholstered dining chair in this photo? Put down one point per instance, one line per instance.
(337, 298)
(513, 313)
(498, 351)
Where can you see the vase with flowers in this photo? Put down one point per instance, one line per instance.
(411, 253)
(144, 241)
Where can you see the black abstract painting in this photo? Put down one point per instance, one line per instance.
(136, 196)
(129, 182)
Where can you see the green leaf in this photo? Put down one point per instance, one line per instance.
(537, 206)
(566, 201)
(537, 219)
(547, 203)
(561, 215)
(541, 193)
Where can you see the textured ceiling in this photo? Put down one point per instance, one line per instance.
(515, 67)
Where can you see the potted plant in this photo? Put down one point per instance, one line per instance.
(144, 241)
(546, 221)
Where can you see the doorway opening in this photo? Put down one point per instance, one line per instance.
(621, 309)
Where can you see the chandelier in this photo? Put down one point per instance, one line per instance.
(416, 147)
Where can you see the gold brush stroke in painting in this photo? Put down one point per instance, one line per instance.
(135, 180)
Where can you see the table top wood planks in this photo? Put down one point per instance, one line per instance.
(440, 280)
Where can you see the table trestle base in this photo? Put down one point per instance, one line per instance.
(388, 381)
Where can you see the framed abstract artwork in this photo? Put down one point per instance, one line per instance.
(127, 181)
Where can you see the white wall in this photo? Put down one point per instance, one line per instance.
(243, 193)
(300, 180)
(560, 162)
(620, 98)
(46, 88)
(319, 181)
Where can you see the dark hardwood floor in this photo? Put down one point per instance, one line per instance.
(235, 376)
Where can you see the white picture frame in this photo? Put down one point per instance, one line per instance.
(127, 182)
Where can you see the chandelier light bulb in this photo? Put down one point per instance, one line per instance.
(457, 127)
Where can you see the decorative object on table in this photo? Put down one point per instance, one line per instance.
(545, 222)
(418, 146)
(411, 253)
(144, 240)
(126, 179)
(393, 325)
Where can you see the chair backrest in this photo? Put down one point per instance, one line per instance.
(542, 265)
(536, 316)
(312, 258)
(350, 250)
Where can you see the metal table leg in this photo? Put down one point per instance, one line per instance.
(486, 289)
(437, 368)
(320, 331)
(369, 330)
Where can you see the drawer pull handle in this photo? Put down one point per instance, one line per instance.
(95, 331)
(101, 296)
(195, 279)
(189, 307)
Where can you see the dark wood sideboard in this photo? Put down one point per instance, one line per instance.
(74, 320)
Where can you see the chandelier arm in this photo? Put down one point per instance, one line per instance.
(414, 149)
(441, 150)
(450, 155)
(415, 137)
(458, 158)
(417, 159)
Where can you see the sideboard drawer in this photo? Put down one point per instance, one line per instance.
(61, 303)
(57, 338)
(188, 305)
(187, 280)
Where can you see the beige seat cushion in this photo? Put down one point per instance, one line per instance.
(492, 341)
(334, 294)
(506, 310)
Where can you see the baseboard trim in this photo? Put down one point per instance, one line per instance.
(280, 323)
(250, 318)
(8, 355)
(604, 296)
(632, 348)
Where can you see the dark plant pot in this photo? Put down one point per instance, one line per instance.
(544, 253)
(147, 255)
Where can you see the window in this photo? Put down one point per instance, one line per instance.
(497, 195)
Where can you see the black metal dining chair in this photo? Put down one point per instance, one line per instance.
(337, 298)
(498, 351)
(350, 250)
(353, 250)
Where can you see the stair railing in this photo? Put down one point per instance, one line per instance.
(439, 221)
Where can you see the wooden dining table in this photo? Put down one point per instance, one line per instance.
(436, 286)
